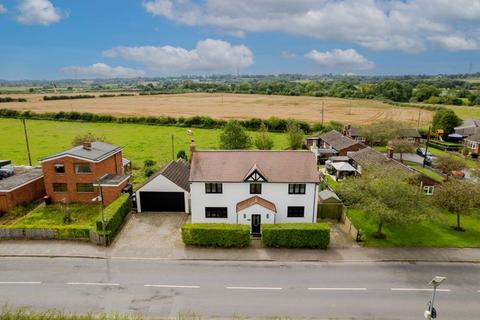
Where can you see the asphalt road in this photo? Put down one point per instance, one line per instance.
(223, 289)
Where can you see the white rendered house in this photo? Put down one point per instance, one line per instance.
(254, 187)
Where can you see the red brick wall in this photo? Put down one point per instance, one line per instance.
(28, 193)
(112, 165)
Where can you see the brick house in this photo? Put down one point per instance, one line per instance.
(410, 134)
(24, 185)
(75, 175)
(472, 143)
(332, 143)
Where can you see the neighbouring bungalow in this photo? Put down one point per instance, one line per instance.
(411, 135)
(333, 143)
(19, 185)
(369, 157)
(254, 187)
(353, 133)
(468, 128)
(76, 174)
(166, 191)
(472, 143)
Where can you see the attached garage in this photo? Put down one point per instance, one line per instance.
(166, 191)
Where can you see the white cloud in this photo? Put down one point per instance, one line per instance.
(455, 42)
(208, 55)
(288, 55)
(103, 70)
(40, 12)
(345, 59)
(2, 9)
(410, 26)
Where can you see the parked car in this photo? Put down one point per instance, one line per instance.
(458, 173)
(428, 161)
(424, 153)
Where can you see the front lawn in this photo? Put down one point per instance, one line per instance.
(83, 216)
(332, 182)
(437, 233)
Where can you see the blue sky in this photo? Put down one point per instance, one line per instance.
(54, 39)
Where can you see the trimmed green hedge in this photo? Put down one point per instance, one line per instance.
(216, 235)
(296, 235)
(114, 214)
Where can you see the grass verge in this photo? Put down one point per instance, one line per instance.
(435, 233)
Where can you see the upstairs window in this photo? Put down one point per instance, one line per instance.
(59, 168)
(296, 188)
(81, 168)
(213, 188)
(255, 188)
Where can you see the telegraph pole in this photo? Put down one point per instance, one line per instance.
(26, 140)
(426, 146)
(323, 112)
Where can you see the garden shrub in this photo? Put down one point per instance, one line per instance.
(114, 214)
(216, 235)
(296, 235)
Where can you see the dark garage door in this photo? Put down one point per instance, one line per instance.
(162, 201)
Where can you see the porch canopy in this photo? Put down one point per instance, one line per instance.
(343, 167)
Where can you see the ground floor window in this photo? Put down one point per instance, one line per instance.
(59, 187)
(428, 190)
(84, 187)
(296, 212)
(216, 212)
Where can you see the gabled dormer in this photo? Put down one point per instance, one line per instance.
(255, 175)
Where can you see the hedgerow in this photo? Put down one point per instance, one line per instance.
(296, 235)
(216, 235)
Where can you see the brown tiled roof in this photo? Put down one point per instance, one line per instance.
(233, 166)
(370, 157)
(177, 171)
(337, 140)
(409, 133)
(474, 138)
(256, 200)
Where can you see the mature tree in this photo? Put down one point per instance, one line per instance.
(424, 91)
(448, 164)
(394, 90)
(234, 136)
(379, 133)
(460, 197)
(181, 154)
(87, 137)
(385, 196)
(295, 135)
(402, 146)
(445, 119)
(263, 141)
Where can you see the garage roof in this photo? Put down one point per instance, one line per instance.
(177, 171)
(234, 165)
(21, 177)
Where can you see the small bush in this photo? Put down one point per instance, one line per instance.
(216, 235)
(114, 214)
(62, 97)
(296, 235)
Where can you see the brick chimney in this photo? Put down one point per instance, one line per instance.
(193, 148)
(390, 150)
(87, 145)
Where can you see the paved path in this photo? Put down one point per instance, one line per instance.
(222, 289)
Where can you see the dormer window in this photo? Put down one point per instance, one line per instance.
(255, 175)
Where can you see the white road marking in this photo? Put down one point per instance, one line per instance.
(254, 288)
(419, 289)
(20, 282)
(170, 286)
(92, 284)
(337, 289)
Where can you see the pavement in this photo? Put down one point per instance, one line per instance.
(157, 237)
(195, 290)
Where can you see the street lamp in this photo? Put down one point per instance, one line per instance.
(431, 313)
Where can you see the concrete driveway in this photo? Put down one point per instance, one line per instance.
(412, 157)
(149, 233)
